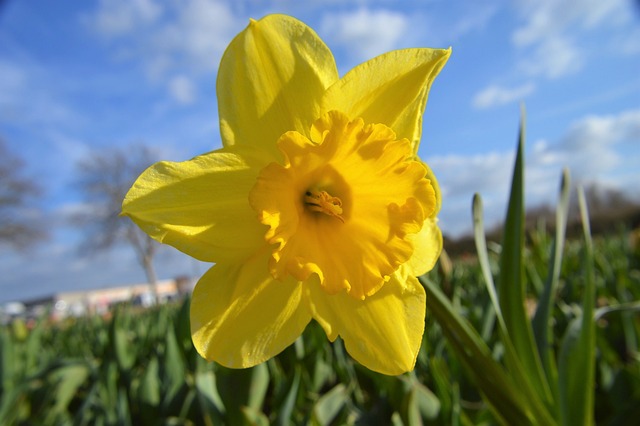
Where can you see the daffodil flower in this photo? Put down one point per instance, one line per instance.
(317, 206)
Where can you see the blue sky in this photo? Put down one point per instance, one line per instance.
(80, 77)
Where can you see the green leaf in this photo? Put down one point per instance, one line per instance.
(514, 363)
(483, 256)
(173, 366)
(67, 380)
(321, 374)
(541, 322)
(418, 402)
(210, 402)
(286, 408)
(7, 368)
(33, 351)
(329, 405)
(427, 402)
(239, 388)
(410, 411)
(439, 368)
(149, 391)
(11, 403)
(182, 325)
(619, 308)
(512, 286)
(506, 400)
(122, 408)
(483, 259)
(576, 365)
(254, 417)
(259, 386)
(122, 348)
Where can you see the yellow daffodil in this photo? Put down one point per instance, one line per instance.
(316, 207)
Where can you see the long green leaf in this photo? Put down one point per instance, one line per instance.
(518, 373)
(211, 405)
(427, 402)
(329, 405)
(239, 388)
(123, 349)
(254, 417)
(288, 404)
(7, 367)
(576, 366)
(173, 369)
(148, 393)
(622, 307)
(483, 256)
(542, 320)
(66, 380)
(512, 286)
(506, 400)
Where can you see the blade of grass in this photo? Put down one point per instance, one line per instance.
(576, 366)
(285, 411)
(329, 405)
(622, 307)
(483, 257)
(542, 320)
(513, 362)
(507, 401)
(511, 288)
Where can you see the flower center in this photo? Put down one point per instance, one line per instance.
(323, 202)
(358, 174)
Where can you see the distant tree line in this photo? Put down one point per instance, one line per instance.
(103, 179)
(20, 224)
(609, 210)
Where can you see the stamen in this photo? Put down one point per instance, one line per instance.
(321, 201)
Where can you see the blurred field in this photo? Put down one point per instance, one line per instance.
(139, 366)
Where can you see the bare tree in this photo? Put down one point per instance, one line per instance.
(103, 180)
(19, 224)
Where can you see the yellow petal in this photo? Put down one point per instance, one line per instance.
(427, 246)
(390, 89)
(436, 189)
(382, 332)
(271, 80)
(200, 206)
(241, 316)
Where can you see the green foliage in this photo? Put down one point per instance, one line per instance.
(539, 377)
(139, 366)
(554, 342)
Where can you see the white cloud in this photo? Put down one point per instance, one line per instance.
(12, 78)
(599, 149)
(553, 57)
(590, 144)
(189, 35)
(550, 36)
(628, 43)
(549, 18)
(119, 17)
(365, 33)
(475, 17)
(201, 32)
(495, 95)
(27, 95)
(462, 176)
(182, 90)
(13, 82)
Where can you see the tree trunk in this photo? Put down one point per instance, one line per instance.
(147, 263)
